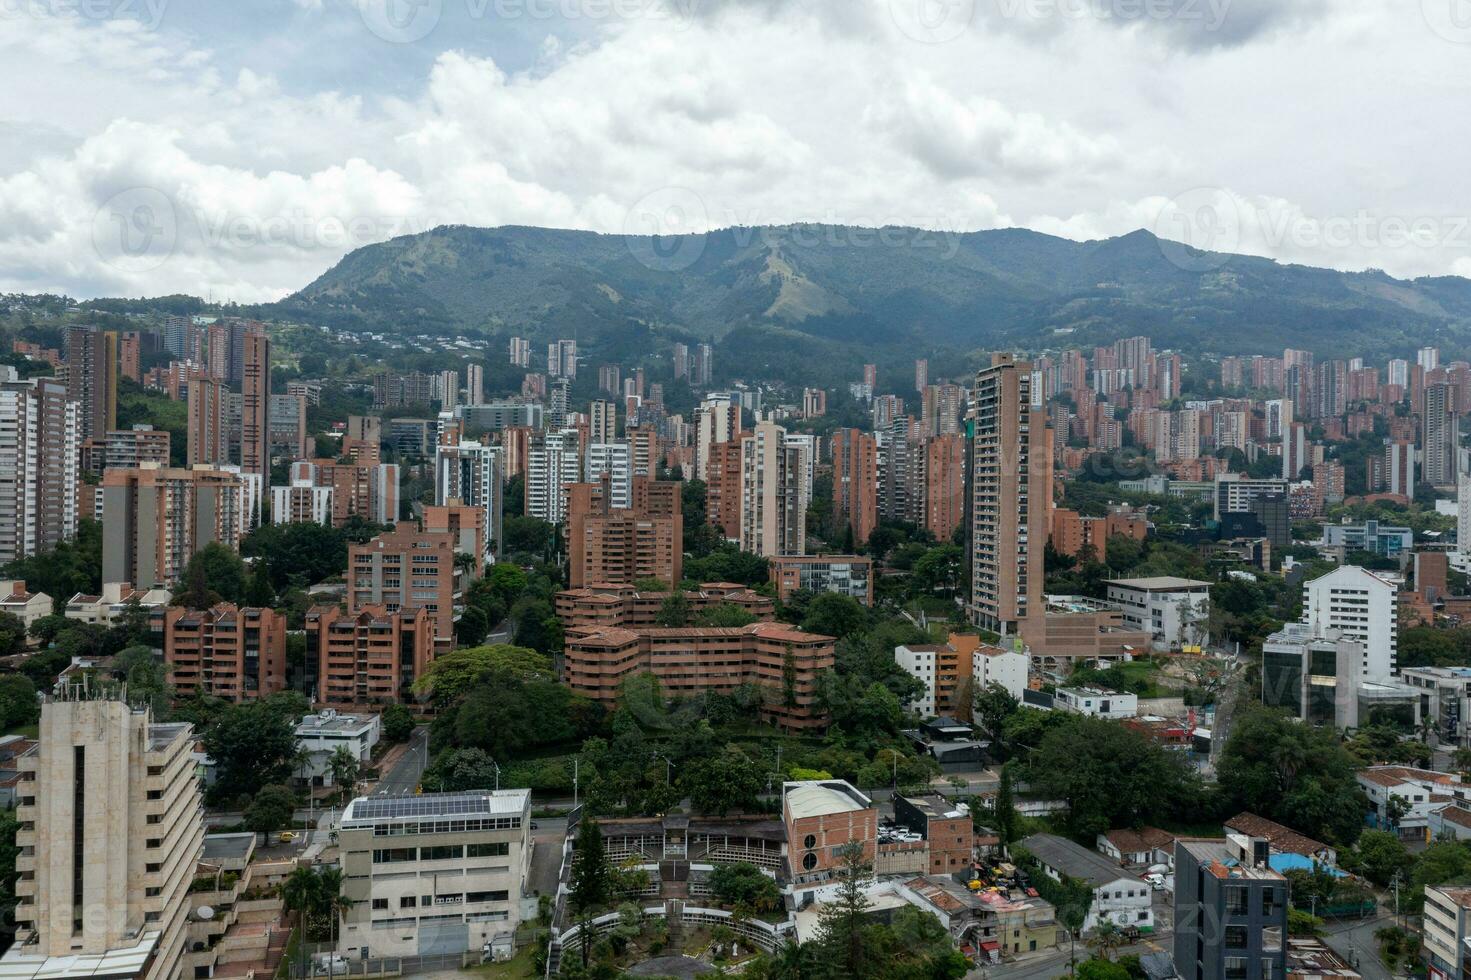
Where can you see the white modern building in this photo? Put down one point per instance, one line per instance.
(1005, 668)
(320, 735)
(1317, 675)
(1175, 611)
(615, 459)
(301, 502)
(550, 466)
(1096, 703)
(40, 445)
(1463, 516)
(436, 873)
(1362, 606)
(473, 474)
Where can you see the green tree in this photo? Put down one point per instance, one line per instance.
(270, 809)
(726, 614)
(841, 929)
(728, 780)
(1101, 969)
(18, 704)
(12, 634)
(452, 675)
(344, 767)
(1379, 855)
(222, 571)
(745, 884)
(836, 615)
(398, 723)
(674, 612)
(260, 593)
(471, 627)
(591, 884)
(253, 745)
(1004, 808)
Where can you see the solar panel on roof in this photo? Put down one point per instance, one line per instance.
(377, 808)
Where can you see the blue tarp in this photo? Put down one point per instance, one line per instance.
(1283, 863)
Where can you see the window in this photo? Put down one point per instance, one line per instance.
(1235, 968)
(809, 861)
(380, 904)
(492, 849)
(1236, 937)
(408, 902)
(389, 855)
(441, 852)
(810, 841)
(1270, 901)
(1236, 899)
(498, 896)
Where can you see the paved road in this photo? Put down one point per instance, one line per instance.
(403, 778)
(1354, 940)
(1054, 963)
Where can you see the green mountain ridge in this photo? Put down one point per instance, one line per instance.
(887, 288)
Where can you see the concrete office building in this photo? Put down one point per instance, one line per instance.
(1174, 611)
(1364, 608)
(435, 873)
(319, 736)
(110, 838)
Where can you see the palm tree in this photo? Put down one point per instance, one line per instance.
(301, 892)
(334, 903)
(1106, 939)
(344, 767)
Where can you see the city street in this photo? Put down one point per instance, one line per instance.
(405, 775)
(1354, 941)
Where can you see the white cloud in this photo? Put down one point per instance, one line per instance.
(753, 111)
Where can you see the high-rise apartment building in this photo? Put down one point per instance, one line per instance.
(773, 500)
(473, 474)
(111, 835)
(603, 421)
(91, 378)
(681, 361)
(40, 446)
(521, 352)
(718, 419)
(237, 654)
(448, 388)
(474, 384)
(921, 374)
(255, 390)
(407, 569)
(609, 544)
(855, 482)
(702, 370)
(612, 462)
(1010, 496)
(551, 465)
(155, 518)
(1440, 442)
(365, 490)
(944, 485)
(723, 488)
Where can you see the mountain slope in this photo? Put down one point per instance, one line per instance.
(896, 288)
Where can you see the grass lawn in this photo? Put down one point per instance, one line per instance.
(518, 967)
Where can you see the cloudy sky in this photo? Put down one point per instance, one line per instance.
(239, 149)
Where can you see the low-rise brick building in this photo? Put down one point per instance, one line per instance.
(372, 656)
(782, 660)
(225, 651)
(626, 606)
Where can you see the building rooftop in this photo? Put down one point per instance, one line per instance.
(368, 810)
(1388, 776)
(332, 722)
(1075, 861)
(935, 807)
(819, 798)
(1161, 583)
(115, 964)
(1223, 859)
(1280, 837)
(219, 847)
